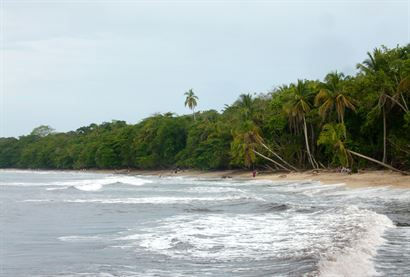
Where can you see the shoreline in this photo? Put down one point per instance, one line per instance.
(365, 178)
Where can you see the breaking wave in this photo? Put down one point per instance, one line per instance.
(344, 240)
(84, 185)
(356, 259)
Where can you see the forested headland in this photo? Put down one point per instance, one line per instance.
(357, 121)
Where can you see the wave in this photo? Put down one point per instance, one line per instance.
(151, 200)
(79, 238)
(160, 200)
(218, 237)
(272, 207)
(337, 242)
(38, 200)
(212, 189)
(62, 188)
(40, 172)
(24, 184)
(201, 210)
(97, 184)
(308, 188)
(85, 185)
(381, 192)
(356, 259)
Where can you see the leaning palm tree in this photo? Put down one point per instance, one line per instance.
(246, 141)
(297, 108)
(333, 137)
(333, 96)
(191, 101)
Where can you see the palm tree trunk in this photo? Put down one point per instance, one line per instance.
(193, 113)
(313, 146)
(405, 109)
(312, 140)
(307, 142)
(269, 159)
(384, 136)
(343, 123)
(378, 162)
(277, 156)
(404, 101)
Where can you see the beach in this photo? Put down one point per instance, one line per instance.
(367, 178)
(364, 178)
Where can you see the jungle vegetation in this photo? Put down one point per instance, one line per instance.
(354, 121)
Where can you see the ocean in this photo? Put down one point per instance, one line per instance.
(90, 224)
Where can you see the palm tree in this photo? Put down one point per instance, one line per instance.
(333, 96)
(191, 101)
(245, 104)
(377, 67)
(374, 62)
(297, 108)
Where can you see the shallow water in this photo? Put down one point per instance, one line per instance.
(83, 224)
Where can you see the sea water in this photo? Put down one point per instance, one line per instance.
(88, 224)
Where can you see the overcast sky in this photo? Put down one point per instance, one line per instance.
(71, 63)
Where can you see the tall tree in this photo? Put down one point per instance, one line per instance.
(42, 131)
(246, 105)
(191, 101)
(333, 96)
(376, 67)
(297, 108)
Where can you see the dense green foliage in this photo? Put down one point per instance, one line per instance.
(307, 124)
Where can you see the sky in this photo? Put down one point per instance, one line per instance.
(68, 64)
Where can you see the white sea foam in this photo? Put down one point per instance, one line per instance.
(212, 189)
(37, 200)
(308, 187)
(161, 200)
(94, 274)
(84, 185)
(58, 188)
(97, 184)
(356, 259)
(329, 234)
(383, 192)
(41, 172)
(79, 238)
(24, 184)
